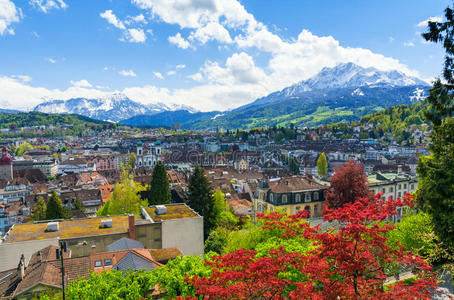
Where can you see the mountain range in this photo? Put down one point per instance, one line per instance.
(345, 92)
(114, 107)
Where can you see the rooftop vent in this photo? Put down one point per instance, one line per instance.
(52, 226)
(161, 209)
(107, 223)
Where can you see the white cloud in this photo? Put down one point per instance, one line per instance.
(35, 34)
(211, 31)
(127, 73)
(179, 41)
(425, 23)
(391, 39)
(133, 35)
(18, 95)
(8, 14)
(136, 35)
(23, 78)
(136, 19)
(171, 72)
(158, 75)
(111, 18)
(409, 44)
(182, 66)
(81, 83)
(46, 5)
(50, 60)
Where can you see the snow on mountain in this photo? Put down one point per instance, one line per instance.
(113, 107)
(351, 75)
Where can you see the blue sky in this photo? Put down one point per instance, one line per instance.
(209, 54)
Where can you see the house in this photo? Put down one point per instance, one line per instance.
(290, 194)
(174, 226)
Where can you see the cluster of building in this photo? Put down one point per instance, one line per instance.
(253, 174)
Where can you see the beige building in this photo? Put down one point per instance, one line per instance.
(179, 226)
(290, 195)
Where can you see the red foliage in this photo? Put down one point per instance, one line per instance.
(348, 263)
(348, 184)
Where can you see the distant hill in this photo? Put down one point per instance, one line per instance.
(167, 118)
(34, 118)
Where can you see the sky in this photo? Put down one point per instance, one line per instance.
(208, 54)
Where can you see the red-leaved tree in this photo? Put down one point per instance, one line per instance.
(348, 184)
(351, 262)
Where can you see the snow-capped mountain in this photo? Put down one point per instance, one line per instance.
(346, 75)
(114, 107)
(352, 75)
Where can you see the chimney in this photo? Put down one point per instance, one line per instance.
(132, 227)
(22, 266)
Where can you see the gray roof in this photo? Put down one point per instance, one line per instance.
(125, 244)
(134, 262)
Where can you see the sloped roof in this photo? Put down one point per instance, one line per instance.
(165, 253)
(135, 262)
(125, 244)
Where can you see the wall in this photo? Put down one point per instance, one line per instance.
(186, 234)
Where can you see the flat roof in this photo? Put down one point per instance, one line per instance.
(67, 229)
(174, 211)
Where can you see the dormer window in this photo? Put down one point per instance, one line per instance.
(271, 197)
(316, 196)
(284, 198)
(298, 198)
(307, 197)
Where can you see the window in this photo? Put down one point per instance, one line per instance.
(107, 262)
(271, 197)
(399, 186)
(405, 186)
(98, 263)
(307, 197)
(383, 191)
(390, 189)
(298, 208)
(316, 210)
(284, 198)
(316, 197)
(412, 186)
(399, 194)
(298, 198)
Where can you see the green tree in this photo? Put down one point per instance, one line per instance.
(322, 164)
(201, 200)
(22, 149)
(219, 203)
(436, 172)
(160, 191)
(125, 197)
(39, 211)
(132, 160)
(55, 209)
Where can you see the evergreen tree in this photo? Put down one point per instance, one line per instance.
(322, 164)
(55, 209)
(436, 172)
(160, 192)
(39, 211)
(294, 165)
(201, 200)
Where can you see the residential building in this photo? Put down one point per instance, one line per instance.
(291, 195)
